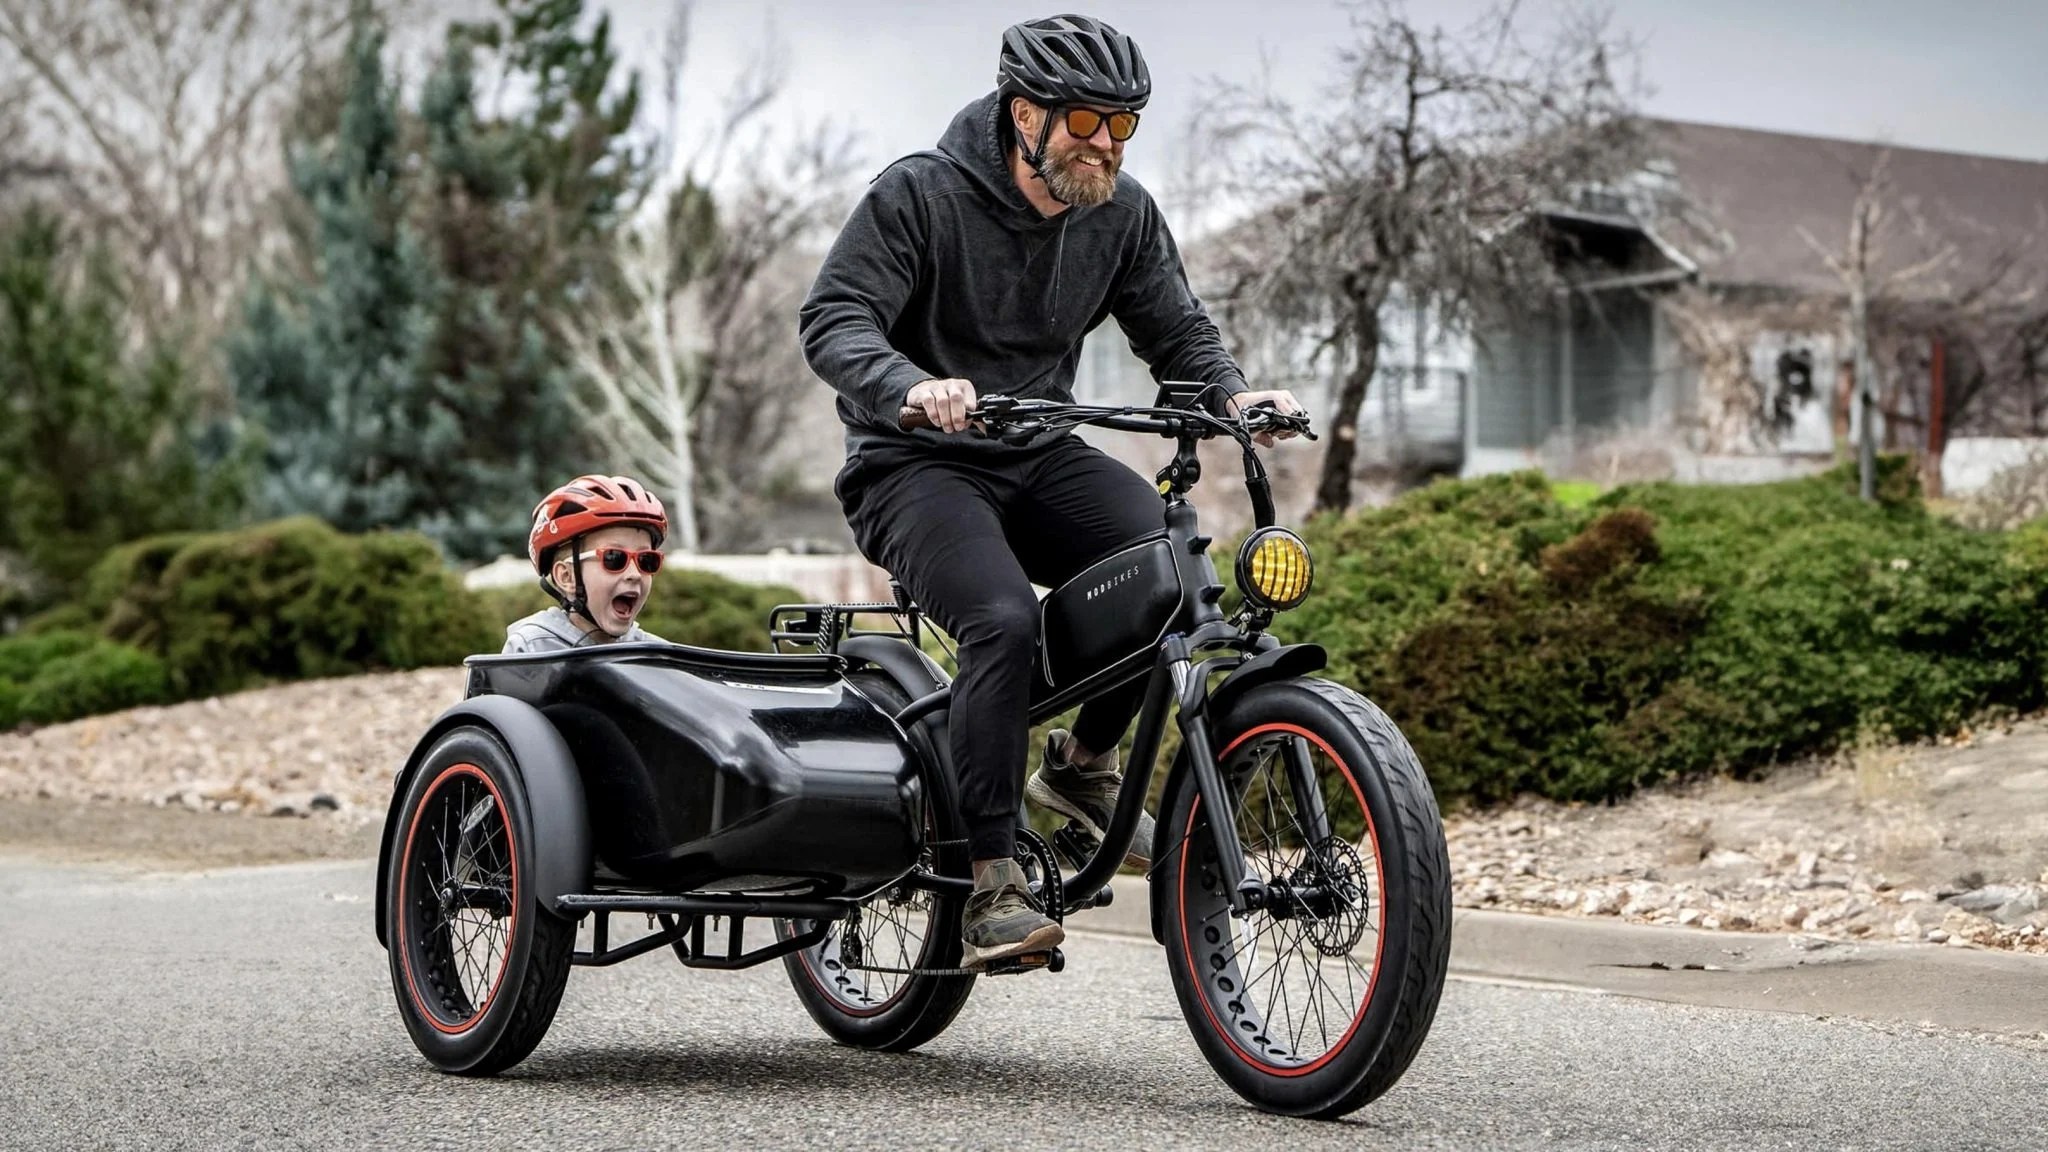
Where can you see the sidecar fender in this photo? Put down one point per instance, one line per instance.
(558, 831)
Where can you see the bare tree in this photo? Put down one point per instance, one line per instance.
(160, 118)
(1938, 295)
(1425, 185)
(690, 362)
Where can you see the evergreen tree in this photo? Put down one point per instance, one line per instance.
(408, 378)
(100, 441)
(335, 371)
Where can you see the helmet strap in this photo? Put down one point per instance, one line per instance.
(1035, 156)
(579, 604)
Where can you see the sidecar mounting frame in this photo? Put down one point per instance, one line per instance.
(684, 927)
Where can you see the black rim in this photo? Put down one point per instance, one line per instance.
(458, 897)
(1288, 985)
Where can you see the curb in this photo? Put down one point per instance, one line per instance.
(1965, 989)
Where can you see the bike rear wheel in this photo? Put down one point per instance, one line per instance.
(867, 983)
(1315, 1004)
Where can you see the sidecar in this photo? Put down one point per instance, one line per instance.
(697, 787)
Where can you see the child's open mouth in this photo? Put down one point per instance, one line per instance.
(625, 604)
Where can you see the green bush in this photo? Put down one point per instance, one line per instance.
(10, 705)
(1669, 630)
(21, 657)
(106, 677)
(287, 600)
(709, 611)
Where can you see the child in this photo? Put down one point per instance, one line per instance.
(595, 542)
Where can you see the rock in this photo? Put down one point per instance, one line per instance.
(1808, 861)
(1737, 921)
(1524, 865)
(1710, 922)
(1598, 902)
(1794, 916)
(1687, 917)
(1810, 943)
(323, 802)
(1985, 899)
(1915, 896)
(1907, 928)
(2017, 909)
(1937, 936)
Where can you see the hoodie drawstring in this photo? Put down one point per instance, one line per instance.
(1059, 254)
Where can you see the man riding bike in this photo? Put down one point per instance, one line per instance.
(978, 268)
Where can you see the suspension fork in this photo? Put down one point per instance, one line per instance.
(1308, 794)
(1191, 691)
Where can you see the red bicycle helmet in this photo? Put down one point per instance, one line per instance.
(587, 504)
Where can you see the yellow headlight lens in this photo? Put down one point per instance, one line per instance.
(1273, 568)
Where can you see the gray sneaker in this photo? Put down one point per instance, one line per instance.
(1003, 920)
(1086, 795)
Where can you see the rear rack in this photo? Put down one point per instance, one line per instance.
(824, 626)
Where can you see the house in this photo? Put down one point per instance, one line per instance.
(1709, 343)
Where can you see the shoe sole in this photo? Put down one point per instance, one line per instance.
(1043, 940)
(1041, 794)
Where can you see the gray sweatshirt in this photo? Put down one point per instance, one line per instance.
(946, 270)
(551, 630)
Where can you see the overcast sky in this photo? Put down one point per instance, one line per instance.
(1964, 75)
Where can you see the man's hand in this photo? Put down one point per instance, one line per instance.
(946, 403)
(1282, 399)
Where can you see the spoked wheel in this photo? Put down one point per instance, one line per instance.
(1315, 1003)
(477, 965)
(866, 983)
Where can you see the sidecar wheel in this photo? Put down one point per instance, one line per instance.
(478, 966)
(1314, 1004)
(846, 982)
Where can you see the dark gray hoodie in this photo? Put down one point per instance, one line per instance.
(946, 270)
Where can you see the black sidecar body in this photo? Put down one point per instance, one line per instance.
(674, 769)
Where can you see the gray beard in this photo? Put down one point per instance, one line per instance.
(1077, 184)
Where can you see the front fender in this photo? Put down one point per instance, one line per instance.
(559, 839)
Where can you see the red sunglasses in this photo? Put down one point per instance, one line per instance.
(616, 559)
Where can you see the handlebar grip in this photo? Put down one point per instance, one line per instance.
(911, 419)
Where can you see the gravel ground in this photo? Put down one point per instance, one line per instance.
(1947, 844)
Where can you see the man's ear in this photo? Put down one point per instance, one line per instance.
(1024, 114)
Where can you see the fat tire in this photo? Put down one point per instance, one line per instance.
(927, 1004)
(1415, 952)
(538, 960)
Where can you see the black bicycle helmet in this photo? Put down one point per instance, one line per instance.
(1072, 60)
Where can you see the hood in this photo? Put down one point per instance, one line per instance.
(975, 142)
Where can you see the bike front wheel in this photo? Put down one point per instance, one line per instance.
(1315, 1003)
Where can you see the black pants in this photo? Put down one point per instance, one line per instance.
(967, 539)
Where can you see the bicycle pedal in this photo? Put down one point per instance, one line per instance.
(1075, 844)
(1051, 961)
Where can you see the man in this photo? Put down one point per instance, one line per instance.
(978, 268)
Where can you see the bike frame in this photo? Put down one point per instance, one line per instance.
(1178, 681)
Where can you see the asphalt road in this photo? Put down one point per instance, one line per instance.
(252, 1008)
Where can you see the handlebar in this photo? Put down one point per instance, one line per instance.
(1018, 421)
(998, 414)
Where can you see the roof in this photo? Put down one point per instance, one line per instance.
(1763, 188)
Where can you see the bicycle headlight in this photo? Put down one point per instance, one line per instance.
(1273, 569)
